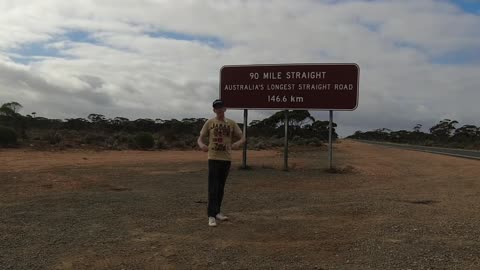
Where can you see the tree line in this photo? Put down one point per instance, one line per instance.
(146, 133)
(443, 134)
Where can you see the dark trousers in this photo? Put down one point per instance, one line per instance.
(217, 176)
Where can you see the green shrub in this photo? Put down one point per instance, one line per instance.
(179, 145)
(8, 136)
(118, 141)
(276, 142)
(190, 141)
(300, 141)
(314, 142)
(144, 140)
(53, 137)
(112, 143)
(260, 146)
(95, 139)
(122, 138)
(429, 143)
(252, 142)
(161, 143)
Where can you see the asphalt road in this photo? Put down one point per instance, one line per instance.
(470, 154)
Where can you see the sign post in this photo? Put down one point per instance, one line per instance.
(245, 123)
(328, 87)
(330, 146)
(285, 153)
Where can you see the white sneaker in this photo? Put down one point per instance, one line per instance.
(212, 222)
(221, 217)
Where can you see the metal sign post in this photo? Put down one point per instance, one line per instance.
(330, 147)
(245, 122)
(285, 154)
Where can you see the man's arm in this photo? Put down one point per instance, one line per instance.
(201, 144)
(239, 143)
(238, 133)
(203, 135)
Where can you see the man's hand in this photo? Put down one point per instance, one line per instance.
(204, 148)
(237, 145)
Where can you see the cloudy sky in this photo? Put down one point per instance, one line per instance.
(419, 59)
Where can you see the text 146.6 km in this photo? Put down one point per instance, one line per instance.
(281, 99)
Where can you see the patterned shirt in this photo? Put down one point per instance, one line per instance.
(220, 136)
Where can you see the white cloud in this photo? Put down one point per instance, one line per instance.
(122, 70)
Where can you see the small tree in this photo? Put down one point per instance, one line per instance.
(8, 136)
(144, 140)
(444, 129)
(466, 133)
(10, 108)
(417, 128)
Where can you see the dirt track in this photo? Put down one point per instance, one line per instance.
(395, 209)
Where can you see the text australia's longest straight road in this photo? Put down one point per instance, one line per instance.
(291, 86)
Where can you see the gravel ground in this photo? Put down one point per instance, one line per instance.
(384, 209)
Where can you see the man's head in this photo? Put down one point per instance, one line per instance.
(219, 108)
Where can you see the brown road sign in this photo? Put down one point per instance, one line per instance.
(291, 86)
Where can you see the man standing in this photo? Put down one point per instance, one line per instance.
(220, 132)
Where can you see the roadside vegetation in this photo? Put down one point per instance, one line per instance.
(119, 133)
(446, 133)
